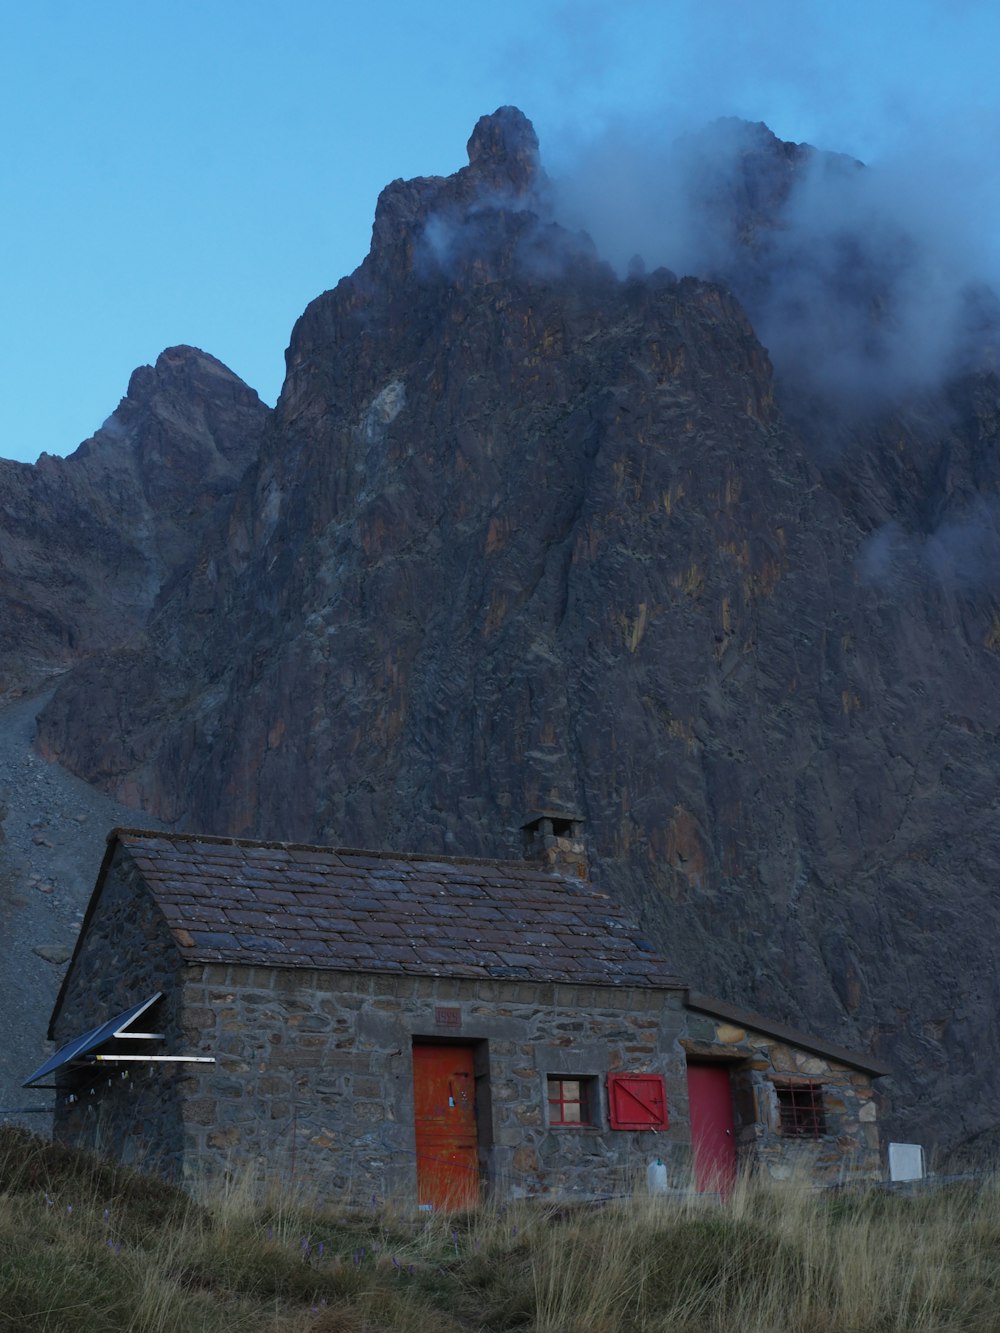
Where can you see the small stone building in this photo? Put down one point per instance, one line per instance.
(410, 1026)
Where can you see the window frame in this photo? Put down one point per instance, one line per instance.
(588, 1101)
(801, 1109)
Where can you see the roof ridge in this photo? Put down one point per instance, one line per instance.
(120, 832)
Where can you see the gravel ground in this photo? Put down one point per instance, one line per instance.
(53, 829)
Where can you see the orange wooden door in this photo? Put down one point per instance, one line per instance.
(712, 1139)
(444, 1100)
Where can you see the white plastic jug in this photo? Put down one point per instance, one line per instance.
(656, 1177)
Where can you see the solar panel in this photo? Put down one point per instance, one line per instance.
(89, 1041)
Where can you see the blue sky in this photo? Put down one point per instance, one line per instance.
(198, 172)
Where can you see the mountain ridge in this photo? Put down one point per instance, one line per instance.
(90, 540)
(522, 532)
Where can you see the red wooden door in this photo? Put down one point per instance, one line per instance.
(712, 1138)
(445, 1112)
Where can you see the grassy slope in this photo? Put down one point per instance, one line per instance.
(86, 1247)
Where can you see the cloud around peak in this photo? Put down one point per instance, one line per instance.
(865, 283)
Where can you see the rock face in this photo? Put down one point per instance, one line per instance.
(524, 534)
(89, 540)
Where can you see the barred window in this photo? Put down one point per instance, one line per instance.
(800, 1110)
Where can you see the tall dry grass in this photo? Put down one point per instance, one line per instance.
(86, 1247)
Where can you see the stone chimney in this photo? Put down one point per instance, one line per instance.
(555, 839)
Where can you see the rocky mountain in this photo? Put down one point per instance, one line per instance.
(524, 533)
(89, 540)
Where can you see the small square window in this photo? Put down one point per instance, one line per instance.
(572, 1101)
(800, 1110)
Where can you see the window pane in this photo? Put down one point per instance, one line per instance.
(571, 1100)
(800, 1109)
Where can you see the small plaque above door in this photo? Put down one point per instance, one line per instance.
(447, 1018)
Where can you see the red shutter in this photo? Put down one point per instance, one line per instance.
(637, 1101)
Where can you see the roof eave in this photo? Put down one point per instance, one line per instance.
(299, 963)
(707, 1004)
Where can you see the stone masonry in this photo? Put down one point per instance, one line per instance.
(315, 1076)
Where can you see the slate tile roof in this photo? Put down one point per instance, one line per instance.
(280, 904)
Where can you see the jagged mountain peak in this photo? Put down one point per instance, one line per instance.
(175, 425)
(503, 149)
(89, 540)
(484, 211)
(178, 369)
(491, 221)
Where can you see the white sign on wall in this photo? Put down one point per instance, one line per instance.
(906, 1161)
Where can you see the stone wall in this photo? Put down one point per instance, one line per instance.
(314, 1077)
(126, 955)
(761, 1064)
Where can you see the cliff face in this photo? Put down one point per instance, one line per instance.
(89, 540)
(523, 534)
